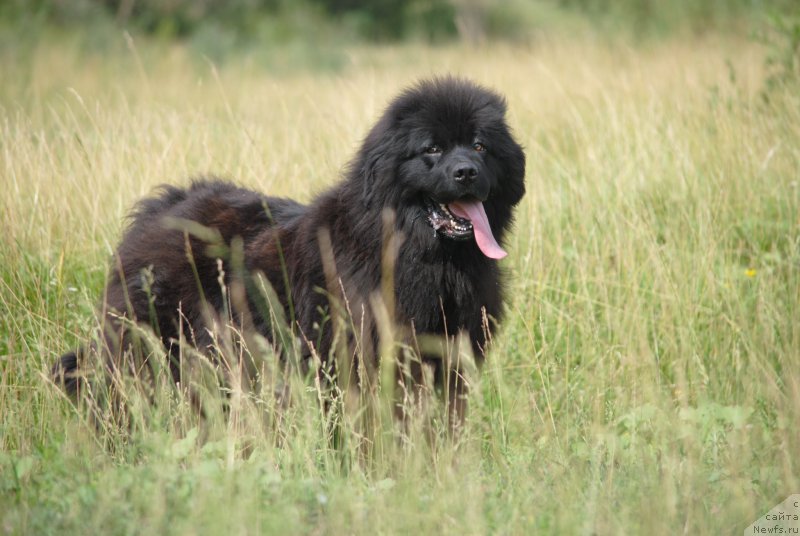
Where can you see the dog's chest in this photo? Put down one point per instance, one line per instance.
(439, 294)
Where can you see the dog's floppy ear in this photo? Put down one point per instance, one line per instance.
(367, 173)
(376, 159)
(513, 162)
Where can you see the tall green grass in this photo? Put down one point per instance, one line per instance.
(646, 378)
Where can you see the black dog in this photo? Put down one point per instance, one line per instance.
(441, 159)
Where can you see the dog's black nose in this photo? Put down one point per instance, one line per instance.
(465, 173)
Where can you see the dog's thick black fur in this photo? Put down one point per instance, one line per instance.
(441, 143)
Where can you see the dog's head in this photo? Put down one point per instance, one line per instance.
(444, 158)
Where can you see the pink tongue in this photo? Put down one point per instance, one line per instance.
(473, 211)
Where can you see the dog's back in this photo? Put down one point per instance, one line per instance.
(171, 262)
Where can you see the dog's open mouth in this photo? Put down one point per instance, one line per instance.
(461, 220)
(446, 223)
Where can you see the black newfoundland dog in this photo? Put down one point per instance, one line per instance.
(440, 169)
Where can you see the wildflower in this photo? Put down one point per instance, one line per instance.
(750, 272)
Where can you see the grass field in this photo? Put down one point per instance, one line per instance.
(647, 376)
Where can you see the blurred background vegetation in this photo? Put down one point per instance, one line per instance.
(216, 27)
(287, 35)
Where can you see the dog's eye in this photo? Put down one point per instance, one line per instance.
(478, 146)
(433, 149)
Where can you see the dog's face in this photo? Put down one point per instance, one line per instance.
(445, 155)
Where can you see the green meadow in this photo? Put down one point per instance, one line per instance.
(645, 380)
